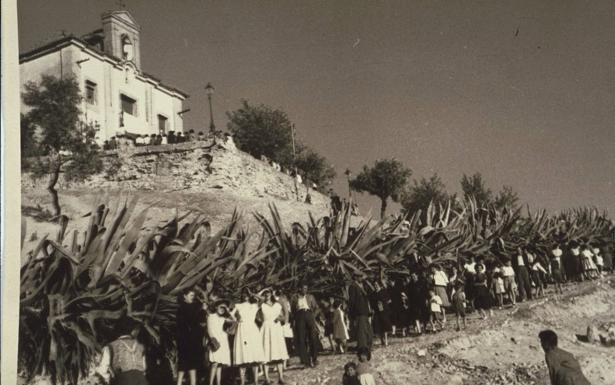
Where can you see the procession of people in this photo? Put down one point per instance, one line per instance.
(245, 338)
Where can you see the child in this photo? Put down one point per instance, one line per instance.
(364, 372)
(329, 314)
(599, 261)
(498, 283)
(459, 303)
(536, 269)
(340, 328)
(435, 309)
(350, 374)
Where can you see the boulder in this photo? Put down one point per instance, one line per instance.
(593, 335)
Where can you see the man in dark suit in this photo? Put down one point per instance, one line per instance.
(359, 312)
(564, 369)
(305, 311)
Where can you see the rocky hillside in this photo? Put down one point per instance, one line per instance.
(170, 179)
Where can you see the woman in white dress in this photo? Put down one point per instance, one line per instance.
(248, 347)
(274, 344)
(219, 349)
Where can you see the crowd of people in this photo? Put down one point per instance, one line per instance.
(138, 140)
(247, 338)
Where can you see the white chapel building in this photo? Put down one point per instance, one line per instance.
(118, 97)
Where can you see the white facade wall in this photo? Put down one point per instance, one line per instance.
(112, 79)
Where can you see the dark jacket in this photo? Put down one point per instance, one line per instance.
(358, 302)
(564, 369)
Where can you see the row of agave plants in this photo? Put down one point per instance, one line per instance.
(74, 287)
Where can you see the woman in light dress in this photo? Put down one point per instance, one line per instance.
(248, 347)
(272, 331)
(219, 349)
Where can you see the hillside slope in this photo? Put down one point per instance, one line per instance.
(175, 179)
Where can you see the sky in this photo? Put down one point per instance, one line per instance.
(521, 91)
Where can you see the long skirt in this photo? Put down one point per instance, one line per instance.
(483, 297)
(441, 292)
(274, 344)
(363, 332)
(248, 347)
(382, 322)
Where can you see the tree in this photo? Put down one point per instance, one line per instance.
(386, 179)
(261, 130)
(63, 143)
(422, 193)
(29, 147)
(315, 167)
(474, 187)
(507, 198)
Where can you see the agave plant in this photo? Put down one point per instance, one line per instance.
(76, 286)
(74, 289)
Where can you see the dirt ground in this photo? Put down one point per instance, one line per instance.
(502, 350)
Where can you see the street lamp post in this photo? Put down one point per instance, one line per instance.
(209, 90)
(348, 175)
(292, 135)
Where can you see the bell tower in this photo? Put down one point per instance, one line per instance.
(121, 33)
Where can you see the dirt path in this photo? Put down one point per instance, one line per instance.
(502, 350)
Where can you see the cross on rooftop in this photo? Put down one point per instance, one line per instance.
(121, 4)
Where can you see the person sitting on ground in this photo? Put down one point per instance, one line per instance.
(350, 374)
(364, 371)
(146, 140)
(164, 139)
(564, 369)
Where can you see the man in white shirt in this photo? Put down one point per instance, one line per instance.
(305, 311)
(508, 273)
(470, 265)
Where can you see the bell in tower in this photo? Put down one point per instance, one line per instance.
(122, 36)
